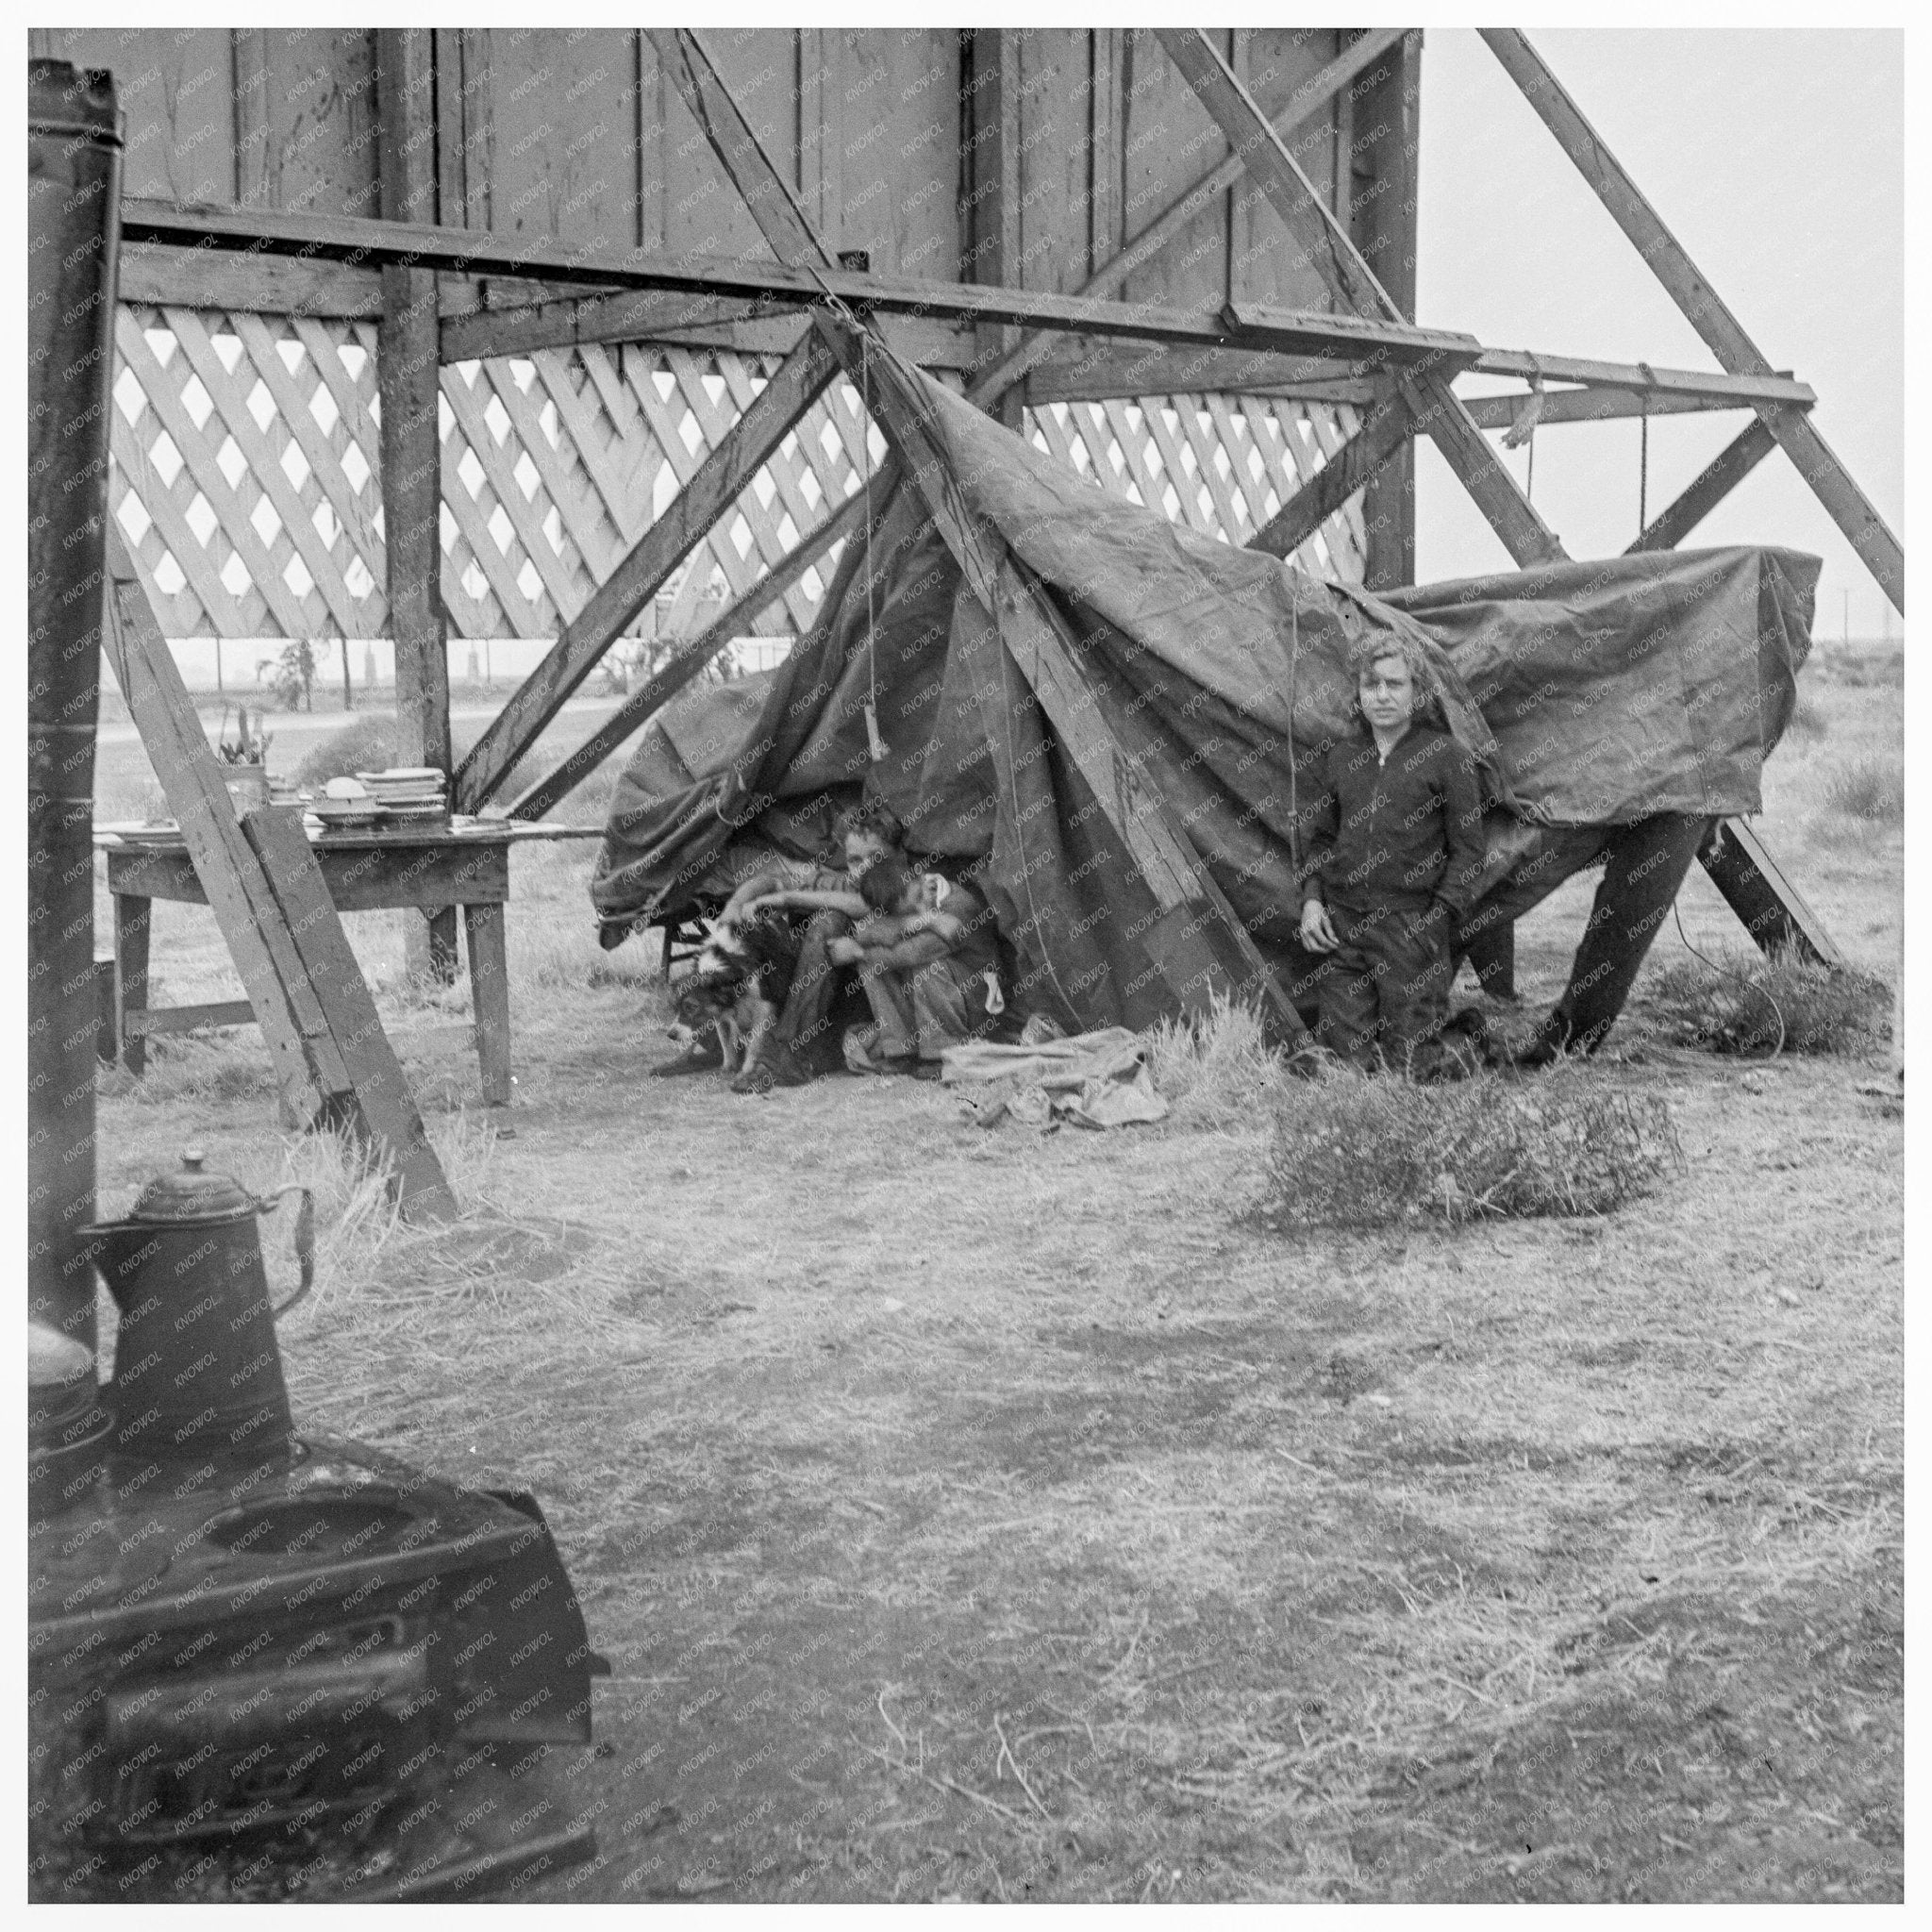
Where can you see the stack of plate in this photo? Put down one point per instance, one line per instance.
(409, 792)
(346, 805)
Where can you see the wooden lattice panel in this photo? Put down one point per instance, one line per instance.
(245, 472)
(247, 453)
(555, 464)
(1223, 465)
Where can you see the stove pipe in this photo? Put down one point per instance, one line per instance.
(73, 221)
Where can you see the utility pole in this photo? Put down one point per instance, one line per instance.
(1847, 596)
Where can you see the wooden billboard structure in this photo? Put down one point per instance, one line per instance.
(1274, 396)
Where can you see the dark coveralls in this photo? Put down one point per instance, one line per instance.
(805, 1026)
(1396, 856)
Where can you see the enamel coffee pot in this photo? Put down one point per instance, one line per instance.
(198, 1369)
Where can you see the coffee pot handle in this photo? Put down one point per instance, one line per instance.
(304, 1238)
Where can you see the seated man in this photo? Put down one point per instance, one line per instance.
(928, 959)
(799, 1045)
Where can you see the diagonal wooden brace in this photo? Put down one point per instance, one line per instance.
(1706, 490)
(1330, 249)
(689, 660)
(1381, 434)
(1867, 532)
(1307, 99)
(794, 386)
(332, 1060)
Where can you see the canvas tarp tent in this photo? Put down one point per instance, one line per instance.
(1594, 695)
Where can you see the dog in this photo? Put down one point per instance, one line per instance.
(737, 988)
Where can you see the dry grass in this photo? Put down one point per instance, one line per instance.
(988, 1515)
(1810, 725)
(1352, 1152)
(1757, 1006)
(1872, 790)
(1217, 1071)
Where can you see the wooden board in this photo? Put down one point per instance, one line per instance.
(1386, 429)
(142, 1021)
(689, 660)
(373, 876)
(889, 139)
(1707, 490)
(1168, 140)
(376, 1102)
(1276, 63)
(1758, 890)
(725, 472)
(283, 934)
(1879, 550)
(1055, 161)
(1346, 337)
(1306, 103)
(1328, 242)
(143, 667)
(563, 152)
(320, 146)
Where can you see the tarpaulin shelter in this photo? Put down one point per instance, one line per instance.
(1090, 662)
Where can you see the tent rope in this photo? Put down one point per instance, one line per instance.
(1294, 640)
(1643, 467)
(874, 743)
(1749, 985)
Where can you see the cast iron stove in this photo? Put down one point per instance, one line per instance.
(325, 1674)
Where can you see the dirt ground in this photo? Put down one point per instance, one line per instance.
(998, 1515)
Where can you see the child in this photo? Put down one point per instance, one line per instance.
(799, 1043)
(1395, 861)
(929, 970)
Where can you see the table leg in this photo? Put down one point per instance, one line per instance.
(484, 927)
(131, 975)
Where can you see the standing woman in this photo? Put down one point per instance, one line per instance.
(1396, 859)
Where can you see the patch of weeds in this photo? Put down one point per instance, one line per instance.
(1352, 1151)
(1216, 1069)
(1862, 668)
(220, 1066)
(1757, 1004)
(1873, 790)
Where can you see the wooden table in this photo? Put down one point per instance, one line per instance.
(365, 871)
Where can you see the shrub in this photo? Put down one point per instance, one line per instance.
(368, 744)
(1759, 1005)
(1873, 790)
(1355, 1152)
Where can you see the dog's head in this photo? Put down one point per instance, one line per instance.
(703, 1000)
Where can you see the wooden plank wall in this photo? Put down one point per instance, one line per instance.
(574, 133)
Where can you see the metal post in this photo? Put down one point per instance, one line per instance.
(74, 192)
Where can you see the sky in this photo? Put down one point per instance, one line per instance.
(1776, 157)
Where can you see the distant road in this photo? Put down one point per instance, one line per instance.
(285, 725)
